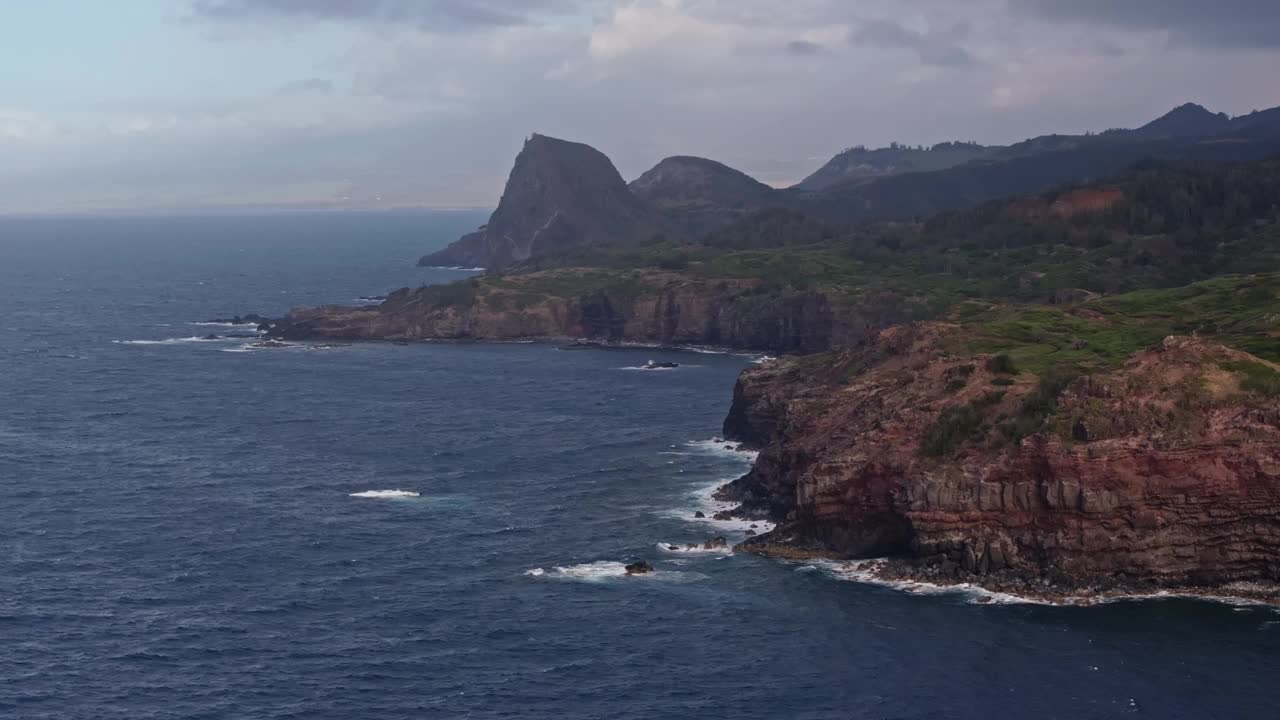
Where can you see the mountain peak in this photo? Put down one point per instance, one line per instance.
(1186, 120)
(560, 195)
(685, 179)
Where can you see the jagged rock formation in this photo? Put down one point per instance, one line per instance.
(560, 195)
(1162, 472)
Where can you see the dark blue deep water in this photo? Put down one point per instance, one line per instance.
(179, 536)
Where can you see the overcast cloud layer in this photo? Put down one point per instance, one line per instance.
(367, 103)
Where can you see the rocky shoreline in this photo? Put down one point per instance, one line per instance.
(1131, 489)
(1159, 478)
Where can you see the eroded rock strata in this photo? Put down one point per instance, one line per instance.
(649, 307)
(1163, 472)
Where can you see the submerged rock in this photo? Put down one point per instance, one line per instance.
(640, 567)
(699, 515)
(716, 543)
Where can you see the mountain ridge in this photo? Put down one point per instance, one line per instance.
(566, 197)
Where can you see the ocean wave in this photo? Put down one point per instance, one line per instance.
(723, 448)
(172, 341)
(702, 499)
(868, 572)
(694, 549)
(608, 570)
(652, 369)
(261, 345)
(386, 494)
(225, 324)
(456, 268)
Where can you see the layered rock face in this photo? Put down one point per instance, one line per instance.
(654, 308)
(1163, 472)
(559, 195)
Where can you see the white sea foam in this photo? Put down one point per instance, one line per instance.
(386, 494)
(723, 448)
(651, 369)
(763, 359)
(172, 341)
(693, 549)
(608, 570)
(257, 346)
(456, 268)
(868, 572)
(225, 324)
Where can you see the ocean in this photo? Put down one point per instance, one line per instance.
(195, 528)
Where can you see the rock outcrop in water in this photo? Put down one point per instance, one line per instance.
(560, 195)
(1162, 472)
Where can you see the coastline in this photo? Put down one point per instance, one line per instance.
(902, 575)
(895, 573)
(561, 341)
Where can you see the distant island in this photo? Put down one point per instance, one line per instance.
(1049, 368)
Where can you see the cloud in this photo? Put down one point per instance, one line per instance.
(938, 49)
(430, 99)
(308, 86)
(426, 14)
(1222, 24)
(802, 48)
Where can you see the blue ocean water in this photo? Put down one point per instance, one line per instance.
(192, 530)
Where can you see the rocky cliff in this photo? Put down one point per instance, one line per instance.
(1161, 472)
(638, 307)
(560, 195)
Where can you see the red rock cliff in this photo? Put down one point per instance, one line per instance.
(1162, 472)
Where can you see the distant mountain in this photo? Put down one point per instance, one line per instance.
(855, 164)
(684, 181)
(565, 198)
(560, 195)
(858, 163)
(1187, 120)
(699, 195)
(1042, 163)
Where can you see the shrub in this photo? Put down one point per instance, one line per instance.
(1257, 378)
(957, 425)
(1002, 364)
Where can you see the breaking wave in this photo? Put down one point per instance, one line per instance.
(456, 268)
(172, 341)
(693, 549)
(723, 448)
(868, 572)
(386, 494)
(607, 570)
(273, 345)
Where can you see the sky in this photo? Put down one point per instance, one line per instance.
(153, 105)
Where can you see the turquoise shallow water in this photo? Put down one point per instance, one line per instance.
(187, 532)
